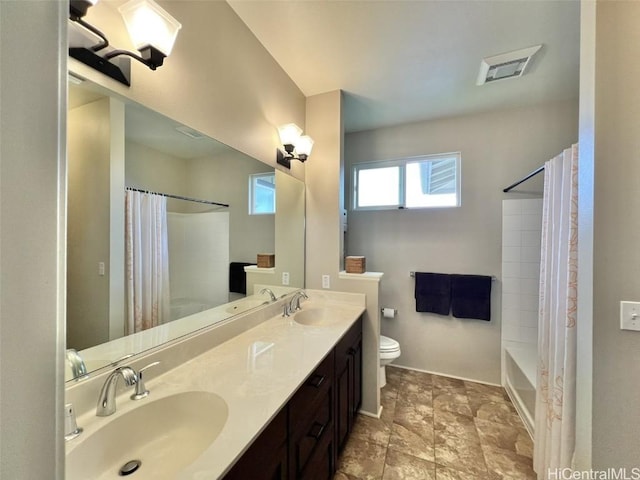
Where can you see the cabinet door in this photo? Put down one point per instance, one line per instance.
(348, 382)
(356, 358)
(311, 421)
(321, 465)
(343, 397)
(266, 458)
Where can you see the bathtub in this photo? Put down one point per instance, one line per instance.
(520, 381)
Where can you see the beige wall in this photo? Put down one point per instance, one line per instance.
(324, 180)
(32, 149)
(497, 148)
(90, 155)
(616, 353)
(219, 79)
(225, 179)
(149, 169)
(209, 87)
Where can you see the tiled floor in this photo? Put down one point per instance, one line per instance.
(435, 427)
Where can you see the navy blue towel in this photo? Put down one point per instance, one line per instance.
(471, 296)
(433, 293)
(237, 277)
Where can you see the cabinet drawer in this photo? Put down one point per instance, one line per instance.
(345, 345)
(314, 390)
(321, 465)
(314, 432)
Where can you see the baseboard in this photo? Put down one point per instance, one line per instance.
(372, 415)
(445, 375)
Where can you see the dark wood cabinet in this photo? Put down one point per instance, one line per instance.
(267, 457)
(348, 381)
(311, 424)
(303, 440)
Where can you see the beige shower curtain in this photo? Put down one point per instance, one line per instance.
(147, 261)
(555, 416)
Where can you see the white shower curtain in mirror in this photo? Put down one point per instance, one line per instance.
(147, 259)
(555, 416)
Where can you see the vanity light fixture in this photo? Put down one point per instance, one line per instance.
(152, 30)
(295, 145)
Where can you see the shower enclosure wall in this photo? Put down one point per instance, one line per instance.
(521, 233)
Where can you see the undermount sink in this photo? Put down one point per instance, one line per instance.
(164, 435)
(316, 316)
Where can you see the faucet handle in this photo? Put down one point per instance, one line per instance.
(71, 429)
(121, 359)
(141, 391)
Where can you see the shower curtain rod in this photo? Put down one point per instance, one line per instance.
(532, 174)
(178, 197)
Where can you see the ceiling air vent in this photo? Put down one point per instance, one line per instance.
(190, 132)
(505, 65)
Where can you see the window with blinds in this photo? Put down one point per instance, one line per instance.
(428, 181)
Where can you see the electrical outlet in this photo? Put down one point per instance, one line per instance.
(326, 281)
(630, 316)
(101, 269)
(285, 278)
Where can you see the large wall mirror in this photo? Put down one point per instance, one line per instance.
(157, 211)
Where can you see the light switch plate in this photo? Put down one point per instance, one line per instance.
(630, 316)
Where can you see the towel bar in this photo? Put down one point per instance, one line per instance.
(413, 274)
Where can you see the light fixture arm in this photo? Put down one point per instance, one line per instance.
(154, 60)
(153, 45)
(98, 46)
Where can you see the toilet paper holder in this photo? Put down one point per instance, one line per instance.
(388, 310)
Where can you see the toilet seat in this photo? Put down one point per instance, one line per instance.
(388, 344)
(389, 349)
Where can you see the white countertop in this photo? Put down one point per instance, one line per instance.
(255, 373)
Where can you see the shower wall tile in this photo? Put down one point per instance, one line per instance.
(530, 254)
(530, 238)
(521, 233)
(511, 285)
(511, 254)
(530, 269)
(512, 223)
(512, 238)
(530, 206)
(511, 269)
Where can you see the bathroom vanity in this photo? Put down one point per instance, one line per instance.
(261, 396)
(304, 439)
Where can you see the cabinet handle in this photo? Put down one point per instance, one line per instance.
(317, 380)
(316, 430)
(351, 351)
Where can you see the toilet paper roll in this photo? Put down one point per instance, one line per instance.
(388, 312)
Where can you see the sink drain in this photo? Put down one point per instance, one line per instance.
(129, 468)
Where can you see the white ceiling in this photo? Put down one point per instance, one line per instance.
(406, 61)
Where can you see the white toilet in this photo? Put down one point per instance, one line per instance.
(389, 351)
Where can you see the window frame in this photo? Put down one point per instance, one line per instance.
(401, 163)
(251, 198)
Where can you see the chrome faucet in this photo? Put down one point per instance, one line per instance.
(294, 305)
(78, 368)
(271, 294)
(107, 398)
